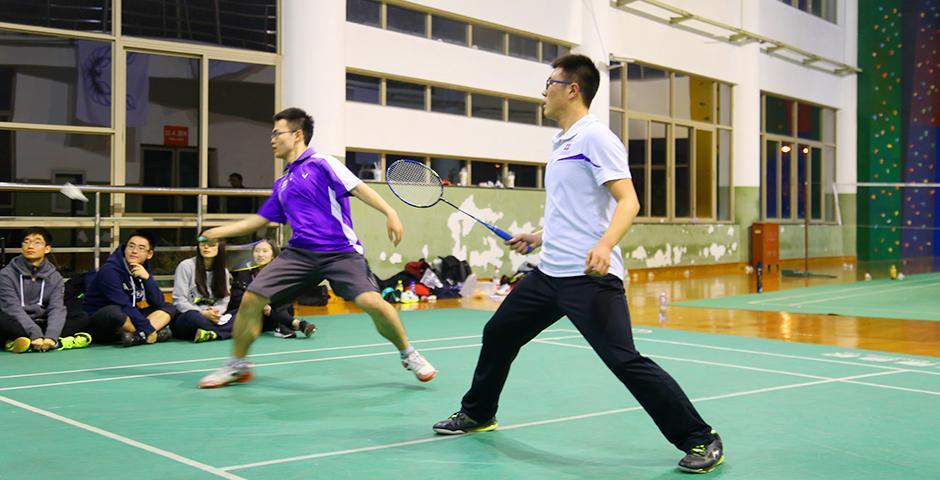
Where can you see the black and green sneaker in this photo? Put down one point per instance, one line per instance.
(459, 423)
(703, 458)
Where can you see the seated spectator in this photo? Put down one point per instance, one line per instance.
(281, 318)
(200, 294)
(33, 316)
(124, 300)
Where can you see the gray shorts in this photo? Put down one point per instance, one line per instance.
(296, 270)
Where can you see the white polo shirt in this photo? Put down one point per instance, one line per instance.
(578, 207)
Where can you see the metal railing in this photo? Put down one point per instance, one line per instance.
(116, 221)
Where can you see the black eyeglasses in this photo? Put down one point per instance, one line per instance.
(550, 81)
(275, 133)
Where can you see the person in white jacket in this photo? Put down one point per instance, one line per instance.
(201, 294)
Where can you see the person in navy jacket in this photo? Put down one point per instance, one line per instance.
(124, 299)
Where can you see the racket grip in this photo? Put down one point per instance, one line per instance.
(507, 236)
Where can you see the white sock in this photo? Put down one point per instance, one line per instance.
(407, 351)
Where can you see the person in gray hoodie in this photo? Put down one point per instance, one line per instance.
(32, 307)
(201, 295)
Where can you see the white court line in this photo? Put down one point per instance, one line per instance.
(701, 362)
(127, 441)
(875, 287)
(906, 289)
(742, 367)
(768, 354)
(196, 360)
(201, 370)
(536, 423)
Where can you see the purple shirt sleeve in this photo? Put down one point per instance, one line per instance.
(272, 208)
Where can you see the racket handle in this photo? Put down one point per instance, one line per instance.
(506, 236)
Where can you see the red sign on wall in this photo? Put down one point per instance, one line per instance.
(175, 135)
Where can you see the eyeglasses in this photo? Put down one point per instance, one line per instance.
(550, 81)
(276, 133)
(137, 248)
(34, 243)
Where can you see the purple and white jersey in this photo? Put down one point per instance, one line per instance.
(313, 196)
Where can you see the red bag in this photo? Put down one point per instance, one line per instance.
(421, 290)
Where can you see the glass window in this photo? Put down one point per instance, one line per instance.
(683, 178)
(231, 23)
(521, 111)
(724, 104)
(83, 15)
(723, 158)
(365, 12)
(636, 154)
(657, 184)
(163, 130)
(489, 39)
(37, 157)
(404, 94)
(406, 20)
(446, 100)
(829, 10)
(704, 174)
(523, 47)
(448, 169)
(647, 89)
(523, 176)
(365, 165)
(816, 184)
(616, 124)
(771, 176)
(779, 115)
(616, 85)
(828, 125)
(241, 99)
(808, 121)
(486, 106)
(58, 80)
(551, 51)
(485, 173)
(448, 30)
(360, 88)
(694, 98)
(786, 179)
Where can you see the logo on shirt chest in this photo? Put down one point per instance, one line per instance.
(566, 148)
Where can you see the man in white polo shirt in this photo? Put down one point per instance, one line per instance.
(590, 203)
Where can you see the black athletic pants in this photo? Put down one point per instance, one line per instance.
(598, 308)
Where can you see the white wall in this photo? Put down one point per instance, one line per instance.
(441, 134)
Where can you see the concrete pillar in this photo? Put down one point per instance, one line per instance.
(314, 67)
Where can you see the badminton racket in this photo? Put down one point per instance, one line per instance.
(419, 186)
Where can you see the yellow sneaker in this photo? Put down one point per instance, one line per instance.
(20, 345)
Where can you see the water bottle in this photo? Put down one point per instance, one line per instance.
(662, 307)
(760, 277)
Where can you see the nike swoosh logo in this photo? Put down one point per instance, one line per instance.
(304, 175)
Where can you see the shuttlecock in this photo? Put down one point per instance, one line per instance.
(748, 269)
(900, 276)
(73, 192)
(686, 273)
(867, 277)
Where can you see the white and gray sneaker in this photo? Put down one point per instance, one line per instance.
(227, 375)
(421, 367)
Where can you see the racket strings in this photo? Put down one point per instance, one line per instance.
(414, 183)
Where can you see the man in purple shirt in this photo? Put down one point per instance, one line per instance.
(313, 196)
